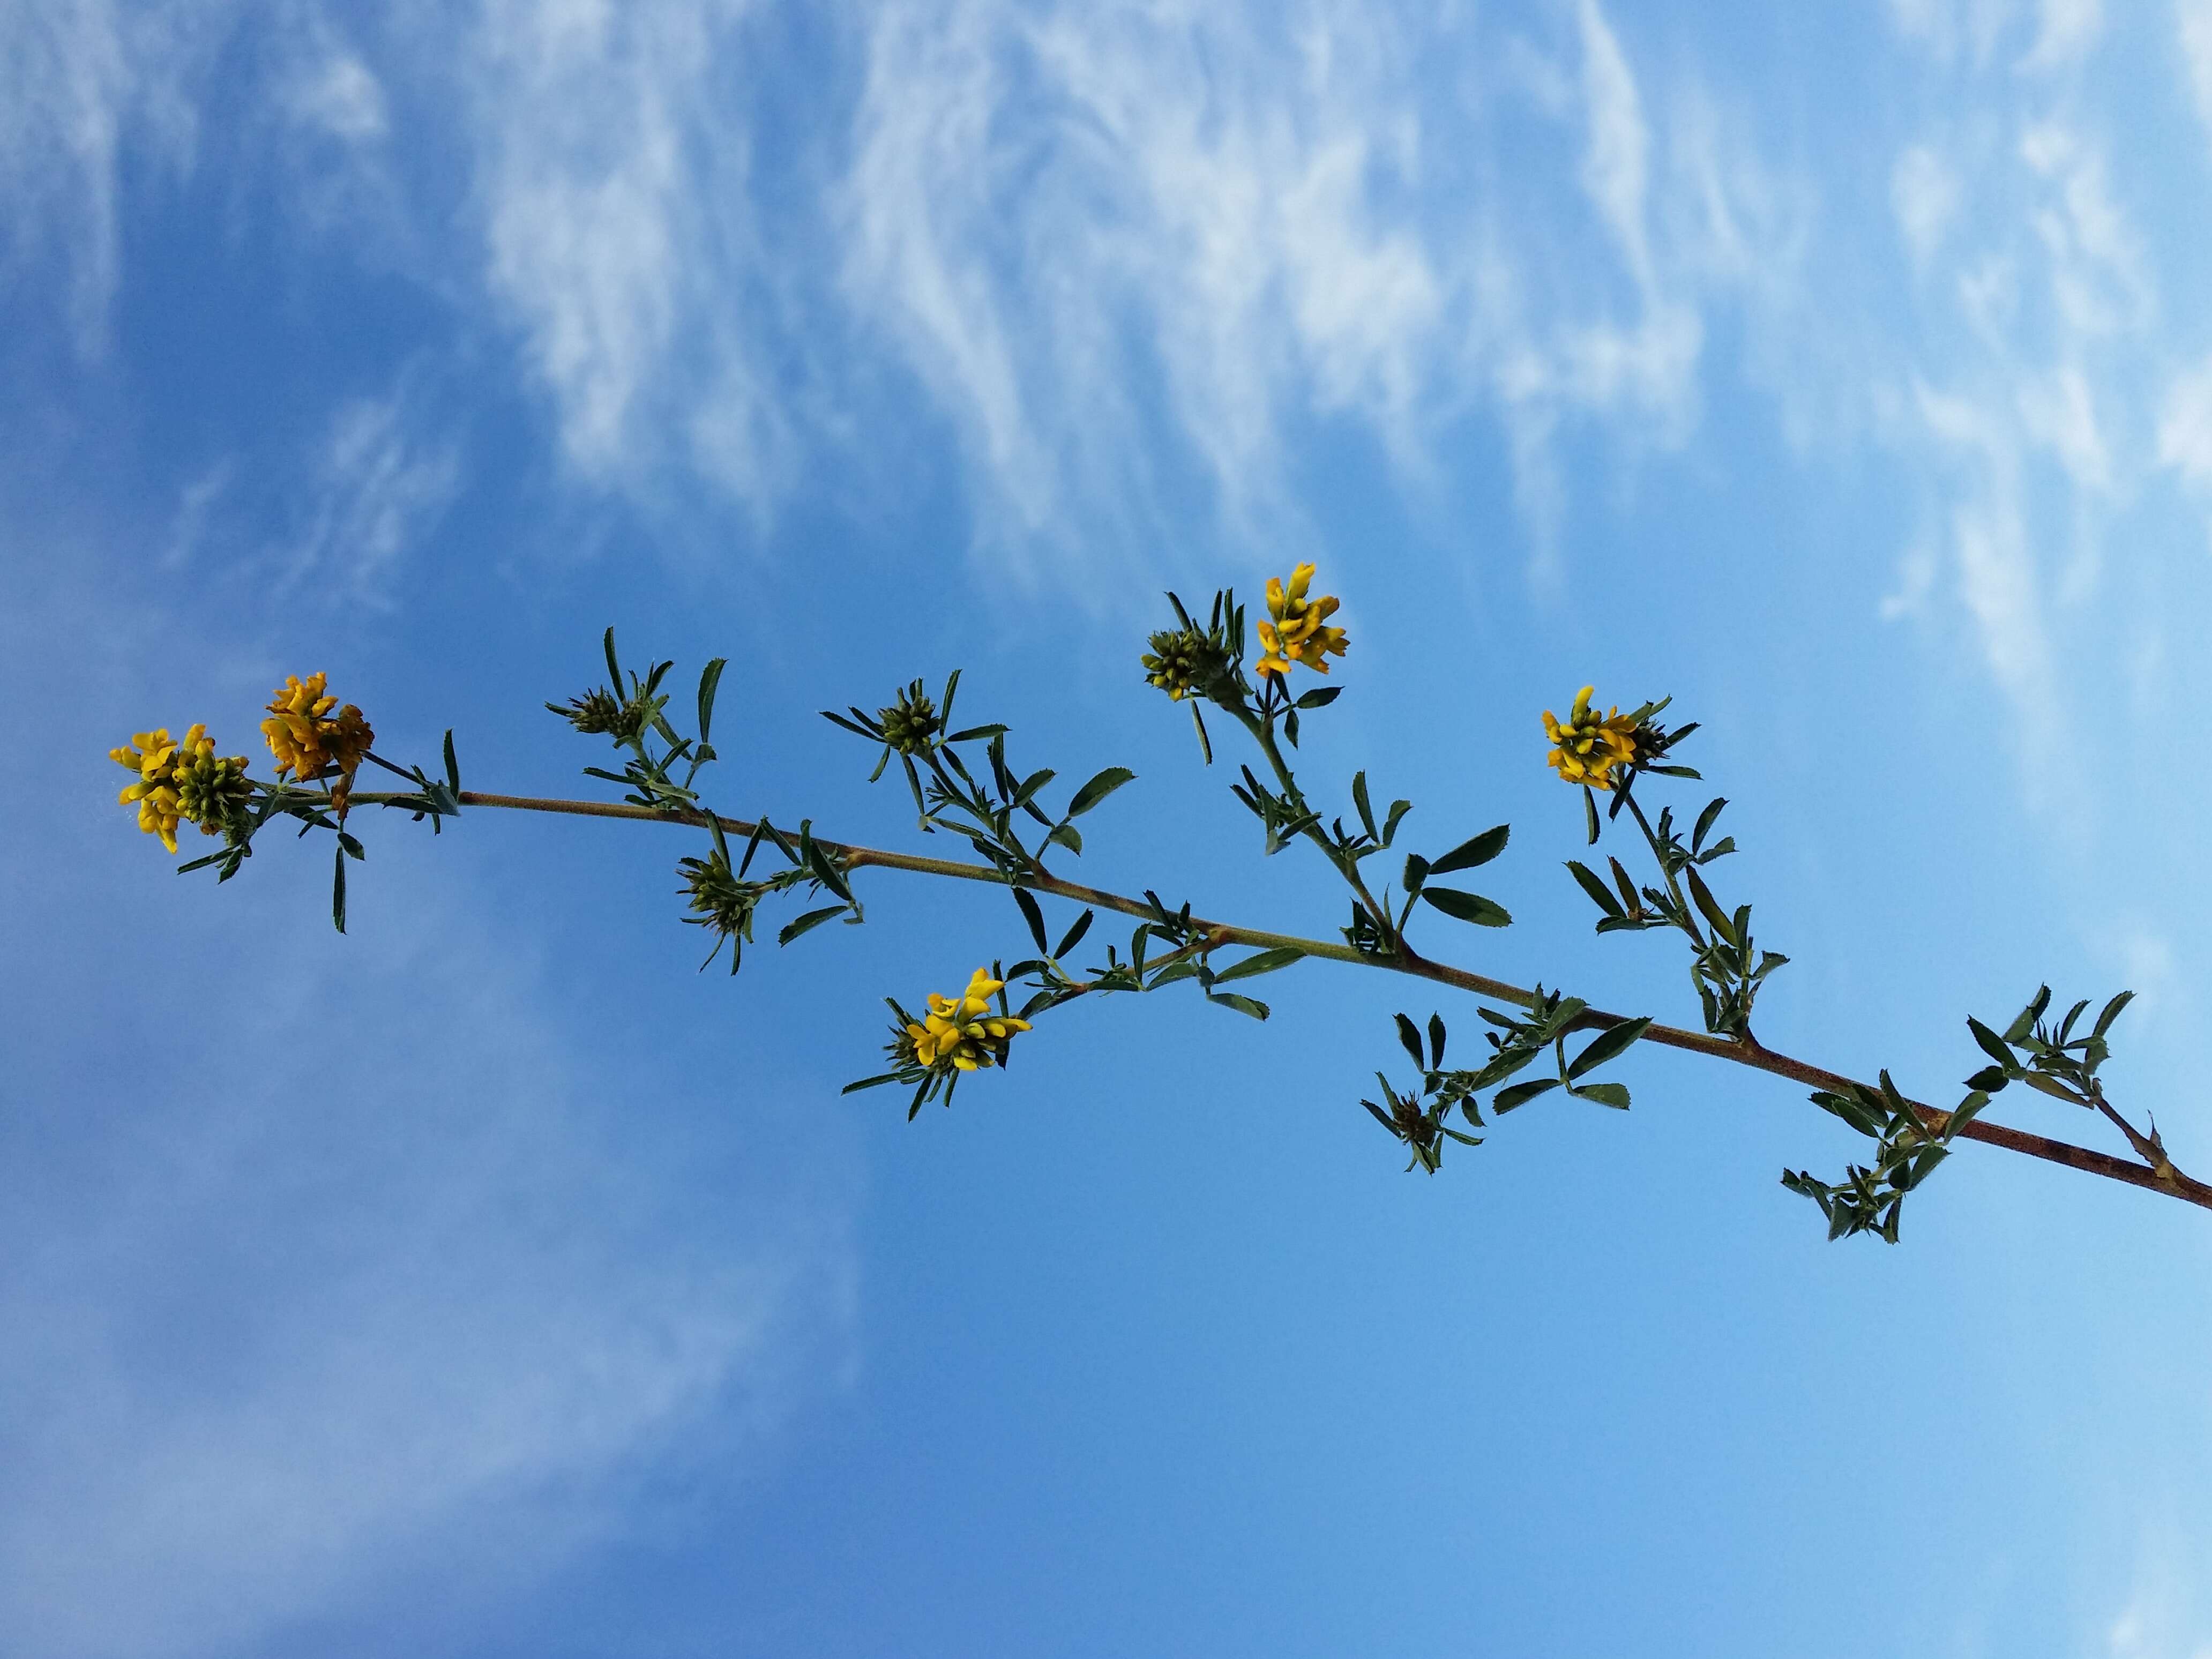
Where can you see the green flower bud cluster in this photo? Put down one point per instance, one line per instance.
(912, 724)
(720, 901)
(211, 788)
(599, 711)
(1183, 662)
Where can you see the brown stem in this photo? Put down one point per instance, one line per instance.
(2161, 1177)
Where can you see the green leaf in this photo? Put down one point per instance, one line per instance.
(2112, 1012)
(1601, 895)
(710, 681)
(818, 864)
(1435, 1042)
(1366, 810)
(452, 766)
(1478, 850)
(1098, 789)
(1031, 914)
(1409, 1038)
(1467, 906)
(1241, 1005)
(976, 732)
(811, 920)
(1320, 697)
(1075, 933)
(1851, 1111)
(1266, 962)
(1031, 784)
(1589, 813)
(614, 668)
(1417, 871)
(1990, 1079)
(337, 893)
(1606, 1094)
(1624, 884)
(1521, 1094)
(1705, 822)
(1969, 1109)
(1923, 1165)
(2026, 1024)
(1711, 907)
(1068, 836)
(1607, 1043)
(1398, 810)
(1169, 974)
(349, 847)
(1993, 1046)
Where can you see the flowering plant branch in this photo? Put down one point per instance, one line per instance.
(963, 783)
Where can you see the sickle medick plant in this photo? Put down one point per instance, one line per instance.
(964, 785)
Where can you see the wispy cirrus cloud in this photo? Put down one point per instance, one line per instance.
(2048, 371)
(1120, 253)
(612, 153)
(77, 84)
(1261, 215)
(376, 485)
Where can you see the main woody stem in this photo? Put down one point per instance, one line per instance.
(2169, 1180)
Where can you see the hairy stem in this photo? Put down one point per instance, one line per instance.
(2161, 1178)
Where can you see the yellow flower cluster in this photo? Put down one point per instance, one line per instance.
(179, 782)
(1586, 746)
(303, 736)
(962, 1030)
(1295, 631)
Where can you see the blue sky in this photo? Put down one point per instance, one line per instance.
(489, 1282)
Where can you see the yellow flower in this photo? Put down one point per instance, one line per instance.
(306, 739)
(962, 1030)
(179, 782)
(153, 756)
(1586, 746)
(1295, 632)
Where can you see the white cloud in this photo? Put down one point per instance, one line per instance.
(2099, 273)
(1987, 530)
(2185, 427)
(375, 486)
(82, 83)
(2068, 30)
(2059, 413)
(1923, 193)
(2193, 22)
(2162, 1618)
(1947, 30)
(1047, 206)
(614, 164)
(1613, 167)
(339, 95)
(196, 507)
(65, 79)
